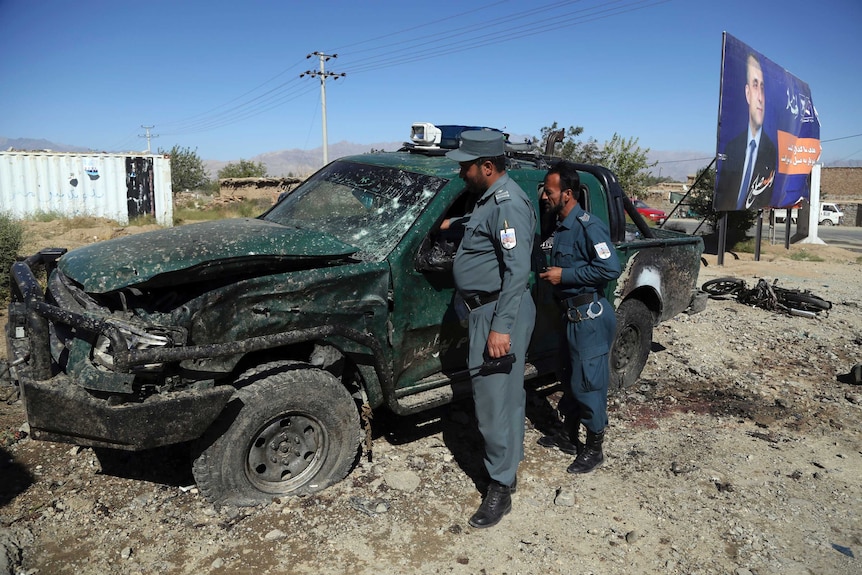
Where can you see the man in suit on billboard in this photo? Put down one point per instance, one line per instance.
(750, 160)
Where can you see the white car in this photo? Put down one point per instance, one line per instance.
(830, 215)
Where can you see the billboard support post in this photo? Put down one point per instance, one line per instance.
(814, 209)
(722, 239)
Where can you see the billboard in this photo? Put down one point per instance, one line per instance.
(768, 132)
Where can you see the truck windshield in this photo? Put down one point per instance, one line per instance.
(369, 207)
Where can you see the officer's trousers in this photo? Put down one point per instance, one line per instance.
(500, 397)
(586, 366)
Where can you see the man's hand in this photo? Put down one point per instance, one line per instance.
(553, 275)
(499, 344)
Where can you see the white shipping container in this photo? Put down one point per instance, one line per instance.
(113, 186)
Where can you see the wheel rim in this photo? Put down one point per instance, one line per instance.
(285, 452)
(626, 348)
(721, 287)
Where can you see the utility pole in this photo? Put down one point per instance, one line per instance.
(148, 135)
(323, 74)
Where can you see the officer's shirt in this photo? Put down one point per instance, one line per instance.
(495, 252)
(584, 251)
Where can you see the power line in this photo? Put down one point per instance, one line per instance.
(841, 138)
(687, 160)
(523, 24)
(550, 17)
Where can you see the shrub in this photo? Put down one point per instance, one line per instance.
(196, 212)
(11, 241)
(805, 256)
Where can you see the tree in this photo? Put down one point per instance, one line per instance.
(700, 200)
(187, 170)
(622, 156)
(628, 161)
(570, 148)
(244, 169)
(652, 180)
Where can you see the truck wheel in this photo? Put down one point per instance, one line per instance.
(631, 344)
(826, 222)
(290, 429)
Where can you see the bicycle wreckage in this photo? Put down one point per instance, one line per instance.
(768, 296)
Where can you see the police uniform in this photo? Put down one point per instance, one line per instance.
(583, 249)
(491, 270)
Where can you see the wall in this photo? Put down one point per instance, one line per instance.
(113, 186)
(840, 184)
(256, 188)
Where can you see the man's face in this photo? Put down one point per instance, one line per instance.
(754, 94)
(552, 195)
(473, 174)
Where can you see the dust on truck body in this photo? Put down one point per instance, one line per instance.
(262, 340)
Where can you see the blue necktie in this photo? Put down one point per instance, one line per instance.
(746, 181)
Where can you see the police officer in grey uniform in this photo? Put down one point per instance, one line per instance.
(583, 261)
(491, 269)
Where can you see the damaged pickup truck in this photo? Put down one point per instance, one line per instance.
(265, 342)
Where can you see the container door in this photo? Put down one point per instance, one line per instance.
(139, 187)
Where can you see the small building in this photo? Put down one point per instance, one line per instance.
(119, 187)
(256, 188)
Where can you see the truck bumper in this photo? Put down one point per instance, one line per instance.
(60, 410)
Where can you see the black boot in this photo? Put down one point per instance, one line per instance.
(566, 440)
(592, 456)
(497, 502)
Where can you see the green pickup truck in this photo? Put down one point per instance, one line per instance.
(263, 342)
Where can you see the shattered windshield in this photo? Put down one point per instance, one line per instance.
(369, 207)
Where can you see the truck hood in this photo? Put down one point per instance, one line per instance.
(197, 252)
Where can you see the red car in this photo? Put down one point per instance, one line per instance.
(649, 213)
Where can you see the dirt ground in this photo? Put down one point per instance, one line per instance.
(738, 452)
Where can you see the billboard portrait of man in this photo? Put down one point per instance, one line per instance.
(768, 132)
(749, 160)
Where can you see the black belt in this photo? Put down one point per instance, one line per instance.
(475, 301)
(578, 300)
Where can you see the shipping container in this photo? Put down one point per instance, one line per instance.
(115, 186)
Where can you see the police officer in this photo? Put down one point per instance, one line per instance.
(583, 262)
(491, 269)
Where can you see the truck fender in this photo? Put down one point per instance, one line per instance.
(644, 285)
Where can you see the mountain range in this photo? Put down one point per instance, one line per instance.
(675, 164)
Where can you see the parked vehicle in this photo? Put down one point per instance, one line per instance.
(652, 214)
(830, 215)
(267, 342)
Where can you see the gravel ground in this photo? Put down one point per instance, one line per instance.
(738, 452)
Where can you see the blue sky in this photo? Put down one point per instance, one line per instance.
(224, 77)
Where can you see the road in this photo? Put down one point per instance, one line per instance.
(847, 237)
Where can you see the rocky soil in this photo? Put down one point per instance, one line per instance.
(738, 452)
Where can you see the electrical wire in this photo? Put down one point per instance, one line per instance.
(550, 17)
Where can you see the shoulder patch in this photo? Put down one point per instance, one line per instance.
(508, 239)
(501, 196)
(584, 217)
(602, 250)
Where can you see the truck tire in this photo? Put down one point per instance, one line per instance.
(632, 343)
(826, 222)
(290, 429)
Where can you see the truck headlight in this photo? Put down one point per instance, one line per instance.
(136, 338)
